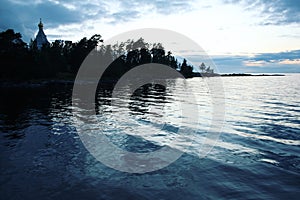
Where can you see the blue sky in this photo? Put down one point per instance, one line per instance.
(240, 35)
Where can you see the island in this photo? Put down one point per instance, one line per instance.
(41, 62)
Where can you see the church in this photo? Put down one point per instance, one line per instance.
(41, 38)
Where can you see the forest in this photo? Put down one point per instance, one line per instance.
(61, 59)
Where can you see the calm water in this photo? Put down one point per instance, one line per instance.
(256, 157)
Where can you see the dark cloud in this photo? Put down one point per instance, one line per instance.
(277, 57)
(23, 16)
(275, 12)
(282, 62)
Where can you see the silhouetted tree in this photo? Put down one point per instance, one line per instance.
(18, 60)
(81, 49)
(202, 67)
(209, 70)
(14, 55)
(186, 69)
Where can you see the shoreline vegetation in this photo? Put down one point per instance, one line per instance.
(58, 62)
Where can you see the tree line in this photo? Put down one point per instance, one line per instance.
(19, 60)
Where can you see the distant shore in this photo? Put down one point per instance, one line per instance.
(231, 74)
(37, 83)
(242, 74)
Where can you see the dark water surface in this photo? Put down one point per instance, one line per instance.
(256, 157)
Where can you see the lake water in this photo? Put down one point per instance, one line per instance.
(257, 155)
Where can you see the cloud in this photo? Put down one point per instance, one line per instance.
(283, 66)
(274, 12)
(159, 6)
(282, 62)
(288, 61)
(255, 63)
(23, 16)
(123, 16)
(287, 57)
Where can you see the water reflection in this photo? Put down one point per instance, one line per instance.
(138, 122)
(43, 157)
(148, 98)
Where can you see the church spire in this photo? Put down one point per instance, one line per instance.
(40, 25)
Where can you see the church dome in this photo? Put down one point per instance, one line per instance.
(41, 38)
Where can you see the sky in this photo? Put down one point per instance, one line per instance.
(241, 36)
